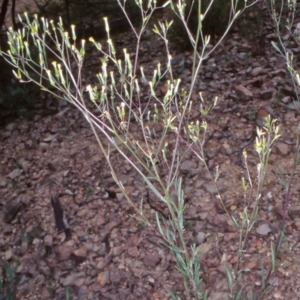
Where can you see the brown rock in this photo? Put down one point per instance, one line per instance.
(133, 251)
(267, 93)
(220, 220)
(253, 264)
(80, 252)
(2, 182)
(115, 277)
(8, 254)
(297, 224)
(64, 252)
(116, 251)
(24, 245)
(226, 149)
(69, 280)
(186, 166)
(10, 211)
(151, 260)
(282, 148)
(210, 187)
(243, 93)
(103, 278)
(104, 262)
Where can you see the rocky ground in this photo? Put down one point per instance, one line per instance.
(110, 255)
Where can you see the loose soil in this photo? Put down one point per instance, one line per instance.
(111, 255)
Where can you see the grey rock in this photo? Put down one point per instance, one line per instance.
(15, 173)
(24, 245)
(263, 229)
(256, 71)
(282, 148)
(69, 280)
(200, 238)
(44, 146)
(48, 240)
(11, 126)
(210, 187)
(286, 99)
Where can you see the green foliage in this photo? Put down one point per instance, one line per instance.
(143, 152)
(86, 13)
(88, 16)
(8, 281)
(214, 23)
(17, 99)
(250, 26)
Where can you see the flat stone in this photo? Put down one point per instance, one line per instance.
(103, 278)
(256, 71)
(50, 138)
(104, 262)
(187, 166)
(226, 149)
(2, 182)
(282, 148)
(80, 252)
(133, 251)
(10, 211)
(98, 219)
(151, 260)
(267, 94)
(210, 187)
(286, 100)
(10, 126)
(220, 220)
(15, 173)
(44, 146)
(8, 254)
(69, 280)
(191, 212)
(48, 240)
(7, 229)
(64, 252)
(263, 229)
(24, 245)
(83, 212)
(115, 277)
(243, 93)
